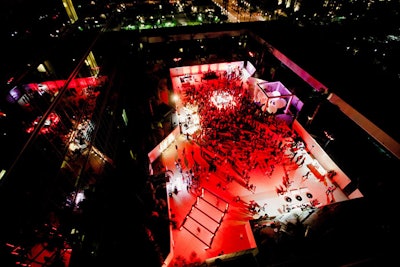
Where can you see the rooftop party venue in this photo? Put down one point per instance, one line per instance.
(238, 163)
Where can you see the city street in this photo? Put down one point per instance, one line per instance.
(238, 14)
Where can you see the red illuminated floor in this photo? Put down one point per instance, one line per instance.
(216, 223)
(211, 208)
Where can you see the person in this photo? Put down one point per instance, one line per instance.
(302, 162)
(331, 173)
(305, 176)
(330, 189)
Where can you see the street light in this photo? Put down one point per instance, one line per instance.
(175, 99)
(330, 138)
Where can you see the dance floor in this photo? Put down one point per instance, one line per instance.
(210, 219)
(212, 201)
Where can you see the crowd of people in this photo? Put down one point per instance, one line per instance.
(237, 133)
